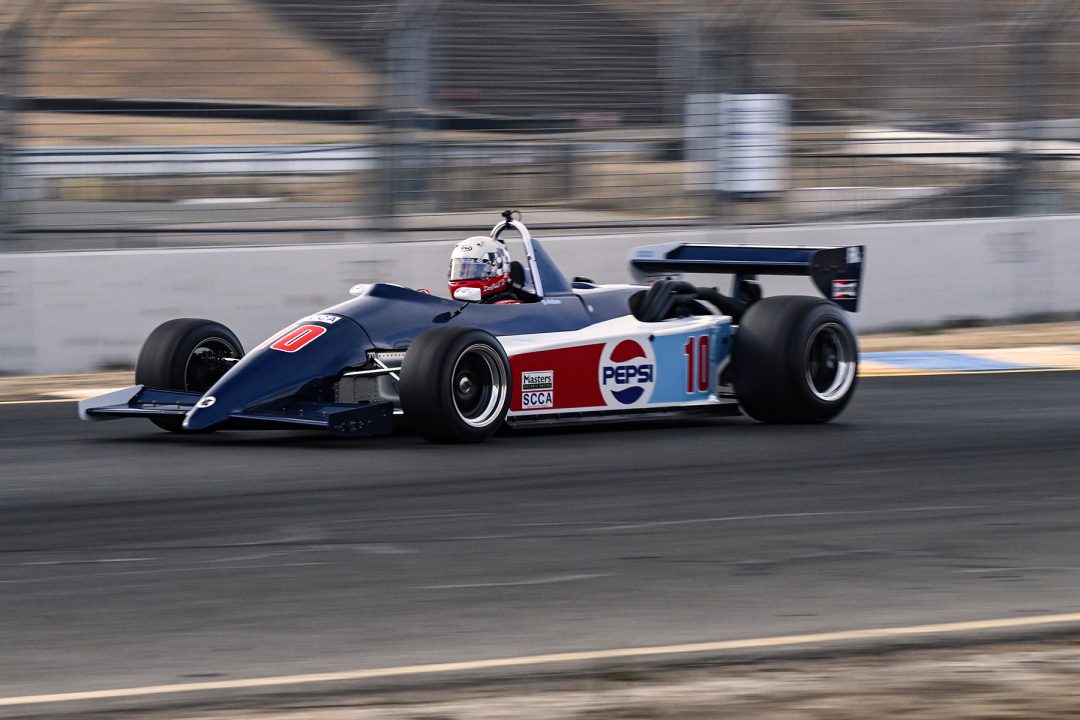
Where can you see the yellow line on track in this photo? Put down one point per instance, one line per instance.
(892, 633)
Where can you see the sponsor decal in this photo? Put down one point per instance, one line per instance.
(323, 318)
(845, 289)
(297, 339)
(537, 400)
(627, 372)
(206, 402)
(499, 284)
(854, 256)
(537, 380)
(537, 389)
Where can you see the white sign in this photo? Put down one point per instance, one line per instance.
(753, 151)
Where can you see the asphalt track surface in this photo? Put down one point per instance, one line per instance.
(131, 557)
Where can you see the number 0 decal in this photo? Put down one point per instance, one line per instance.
(298, 338)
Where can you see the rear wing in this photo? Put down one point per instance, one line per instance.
(836, 271)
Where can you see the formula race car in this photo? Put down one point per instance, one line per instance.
(459, 369)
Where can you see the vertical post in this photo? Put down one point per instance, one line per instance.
(408, 91)
(14, 65)
(1018, 160)
(11, 60)
(690, 99)
(1031, 59)
(681, 64)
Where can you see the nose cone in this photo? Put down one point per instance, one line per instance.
(203, 416)
(279, 368)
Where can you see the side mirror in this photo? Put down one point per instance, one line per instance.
(468, 294)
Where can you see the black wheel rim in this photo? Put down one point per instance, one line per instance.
(478, 385)
(210, 359)
(830, 361)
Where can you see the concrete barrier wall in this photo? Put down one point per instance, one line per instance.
(72, 312)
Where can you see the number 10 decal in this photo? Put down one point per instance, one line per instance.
(698, 363)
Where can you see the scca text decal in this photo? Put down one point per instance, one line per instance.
(323, 318)
(537, 389)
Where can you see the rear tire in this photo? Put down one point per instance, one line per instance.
(795, 360)
(187, 354)
(455, 385)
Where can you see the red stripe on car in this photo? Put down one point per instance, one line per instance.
(575, 372)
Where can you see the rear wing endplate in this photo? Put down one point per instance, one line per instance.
(835, 271)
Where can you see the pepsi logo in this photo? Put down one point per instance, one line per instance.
(627, 372)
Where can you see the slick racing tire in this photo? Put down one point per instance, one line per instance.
(186, 354)
(795, 360)
(455, 385)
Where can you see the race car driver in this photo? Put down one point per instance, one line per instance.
(483, 262)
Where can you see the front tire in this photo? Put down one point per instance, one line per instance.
(187, 354)
(455, 385)
(795, 360)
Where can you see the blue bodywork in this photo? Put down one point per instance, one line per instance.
(269, 388)
(386, 317)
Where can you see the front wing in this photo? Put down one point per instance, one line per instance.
(336, 418)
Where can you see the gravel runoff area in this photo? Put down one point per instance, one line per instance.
(44, 387)
(1029, 680)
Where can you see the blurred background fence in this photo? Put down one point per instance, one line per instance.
(136, 123)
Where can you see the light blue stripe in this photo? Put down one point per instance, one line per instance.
(670, 352)
(942, 361)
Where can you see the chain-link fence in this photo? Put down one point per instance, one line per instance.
(173, 122)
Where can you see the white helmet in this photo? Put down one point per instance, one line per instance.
(480, 262)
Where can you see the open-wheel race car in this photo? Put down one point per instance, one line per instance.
(561, 352)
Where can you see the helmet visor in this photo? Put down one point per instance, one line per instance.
(469, 269)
